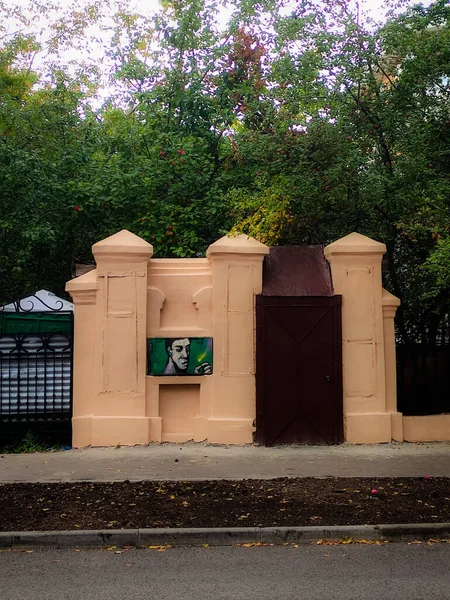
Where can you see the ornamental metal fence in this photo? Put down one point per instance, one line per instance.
(423, 379)
(36, 352)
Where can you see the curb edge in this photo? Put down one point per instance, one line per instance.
(229, 536)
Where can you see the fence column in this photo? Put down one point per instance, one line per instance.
(236, 264)
(114, 343)
(356, 267)
(84, 294)
(390, 305)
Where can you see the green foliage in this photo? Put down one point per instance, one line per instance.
(29, 444)
(438, 265)
(295, 127)
(368, 110)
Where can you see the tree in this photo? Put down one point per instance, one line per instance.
(365, 112)
(148, 160)
(296, 128)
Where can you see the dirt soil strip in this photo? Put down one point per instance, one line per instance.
(249, 503)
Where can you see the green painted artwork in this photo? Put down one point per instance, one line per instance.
(179, 356)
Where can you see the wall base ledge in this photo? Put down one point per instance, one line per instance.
(397, 426)
(429, 428)
(155, 429)
(81, 431)
(124, 431)
(368, 428)
(230, 431)
(179, 437)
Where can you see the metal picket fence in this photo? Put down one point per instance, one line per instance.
(36, 358)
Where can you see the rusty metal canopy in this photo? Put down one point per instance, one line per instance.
(297, 271)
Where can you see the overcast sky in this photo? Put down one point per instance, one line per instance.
(94, 52)
(373, 7)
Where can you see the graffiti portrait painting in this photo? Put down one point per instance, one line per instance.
(179, 356)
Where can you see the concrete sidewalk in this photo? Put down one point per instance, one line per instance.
(202, 462)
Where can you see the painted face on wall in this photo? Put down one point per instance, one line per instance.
(179, 353)
(179, 356)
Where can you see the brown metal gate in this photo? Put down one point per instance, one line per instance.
(298, 370)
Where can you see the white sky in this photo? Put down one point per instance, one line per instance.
(93, 52)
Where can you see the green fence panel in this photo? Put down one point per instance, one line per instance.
(35, 322)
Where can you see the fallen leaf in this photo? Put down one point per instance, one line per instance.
(346, 541)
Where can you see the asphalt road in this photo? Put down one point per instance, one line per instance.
(391, 572)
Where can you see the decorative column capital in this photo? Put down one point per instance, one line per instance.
(356, 244)
(122, 247)
(237, 244)
(83, 289)
(390, 303)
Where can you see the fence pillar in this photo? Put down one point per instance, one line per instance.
(390, 304)
(84, 294)
(236, 264)
(116, 344)
(356, 268)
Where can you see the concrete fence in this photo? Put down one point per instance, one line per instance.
(165, 348)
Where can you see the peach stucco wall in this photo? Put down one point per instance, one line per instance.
(130, 297)
(368, 341)
(433, 428)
